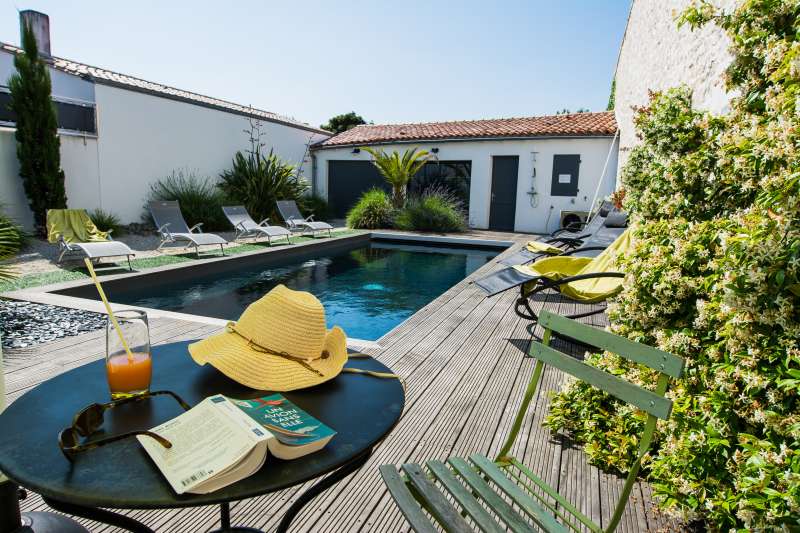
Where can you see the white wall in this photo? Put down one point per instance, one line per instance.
(143, 138)
(657, 55)
(529, 218)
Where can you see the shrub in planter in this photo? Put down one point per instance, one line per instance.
(199, 198)
(433, 210)
(106, 221)
(374, 210)
(714, 277)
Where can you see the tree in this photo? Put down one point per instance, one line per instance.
(566, 111)
(398, 170)
(38, 145)
(344, 122)
(612, 96)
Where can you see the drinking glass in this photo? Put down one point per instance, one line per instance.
(128, 375)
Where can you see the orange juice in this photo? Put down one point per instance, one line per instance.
(129, 376)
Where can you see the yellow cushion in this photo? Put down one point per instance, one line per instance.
(586, 290)
(543, 247)
(74, 224)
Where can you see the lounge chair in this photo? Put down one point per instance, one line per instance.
(246, 227)
(173, 228)
(571, 237)
(481, 494)
(584, 279)
(76, 234)
(295, 221)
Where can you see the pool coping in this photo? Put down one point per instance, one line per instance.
(44, 294)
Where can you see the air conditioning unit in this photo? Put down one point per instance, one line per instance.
(575, 218)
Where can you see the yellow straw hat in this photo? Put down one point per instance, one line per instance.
(280, 343)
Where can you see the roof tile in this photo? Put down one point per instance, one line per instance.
(570, 125)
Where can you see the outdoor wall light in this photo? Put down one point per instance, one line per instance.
(435, 150)
(356, 150)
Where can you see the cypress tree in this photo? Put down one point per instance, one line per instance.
(38, 145)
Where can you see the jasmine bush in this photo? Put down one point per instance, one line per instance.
(714, 277)
(374, 210)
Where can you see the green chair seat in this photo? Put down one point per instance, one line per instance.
(503, 494)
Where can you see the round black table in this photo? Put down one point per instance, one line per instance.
(362, 409)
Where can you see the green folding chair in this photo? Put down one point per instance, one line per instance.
(505, 495)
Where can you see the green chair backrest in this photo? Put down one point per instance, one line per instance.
(652, 402)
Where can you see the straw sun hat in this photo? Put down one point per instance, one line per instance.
(280, 343)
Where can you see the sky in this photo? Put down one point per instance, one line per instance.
(389, 61)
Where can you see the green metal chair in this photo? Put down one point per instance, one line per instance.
(505, 495)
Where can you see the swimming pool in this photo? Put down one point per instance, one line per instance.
(366, 288)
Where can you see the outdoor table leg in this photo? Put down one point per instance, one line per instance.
(323, 485)
(99, 515)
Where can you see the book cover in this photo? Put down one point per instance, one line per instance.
(276, 413)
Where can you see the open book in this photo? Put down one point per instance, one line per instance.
(220, 440)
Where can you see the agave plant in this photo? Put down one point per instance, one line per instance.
(10, 242)
(258, 181)
(398, 169)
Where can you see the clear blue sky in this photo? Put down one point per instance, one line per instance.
(390, 61)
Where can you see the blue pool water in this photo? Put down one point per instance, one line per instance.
(367, 289)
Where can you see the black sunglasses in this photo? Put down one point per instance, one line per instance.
(90, 418)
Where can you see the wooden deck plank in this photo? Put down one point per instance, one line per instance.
(462, 357)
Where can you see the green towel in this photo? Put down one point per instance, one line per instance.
(75, 226)
(585, 290)
(543, 247)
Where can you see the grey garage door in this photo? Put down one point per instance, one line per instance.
(347, 181)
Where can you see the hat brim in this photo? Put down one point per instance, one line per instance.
(236, 358)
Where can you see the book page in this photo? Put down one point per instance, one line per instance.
(206, 441)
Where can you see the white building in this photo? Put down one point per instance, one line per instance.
(119, 134)
(519, 174)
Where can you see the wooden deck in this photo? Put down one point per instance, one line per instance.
(462, 357)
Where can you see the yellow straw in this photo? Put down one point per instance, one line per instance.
(108, 307)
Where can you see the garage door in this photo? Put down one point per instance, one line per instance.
(347, 181)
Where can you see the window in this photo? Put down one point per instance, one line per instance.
(71, 116)
(453, 176)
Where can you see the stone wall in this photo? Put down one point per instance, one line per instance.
(657, 55)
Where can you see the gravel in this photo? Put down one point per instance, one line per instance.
(26, 324)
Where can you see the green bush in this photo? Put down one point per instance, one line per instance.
(374, 210)
(434, 210)
(199, 198)
(257, 182)
(314, 205)
(11, 239)
(714, 277)
(106, 221)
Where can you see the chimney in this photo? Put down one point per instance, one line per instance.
(40, 24)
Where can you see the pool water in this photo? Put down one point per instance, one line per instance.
(366, 290)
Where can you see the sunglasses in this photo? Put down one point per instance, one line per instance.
(89, 419)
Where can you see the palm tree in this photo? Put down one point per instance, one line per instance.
(10, 242)
(398, 170)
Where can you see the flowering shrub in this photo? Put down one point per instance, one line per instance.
(714, 277)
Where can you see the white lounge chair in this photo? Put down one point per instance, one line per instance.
(76, 234)
(173, 228)
(246, 227)
(295, 221)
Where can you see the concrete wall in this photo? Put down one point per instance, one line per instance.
(538, 216)
(143, 138)
(657, 55)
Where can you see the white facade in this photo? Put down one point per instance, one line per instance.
(657, 55)
(140, 138)
(539, 214)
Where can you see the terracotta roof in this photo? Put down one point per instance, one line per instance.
(575, 124)
(109, 77)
